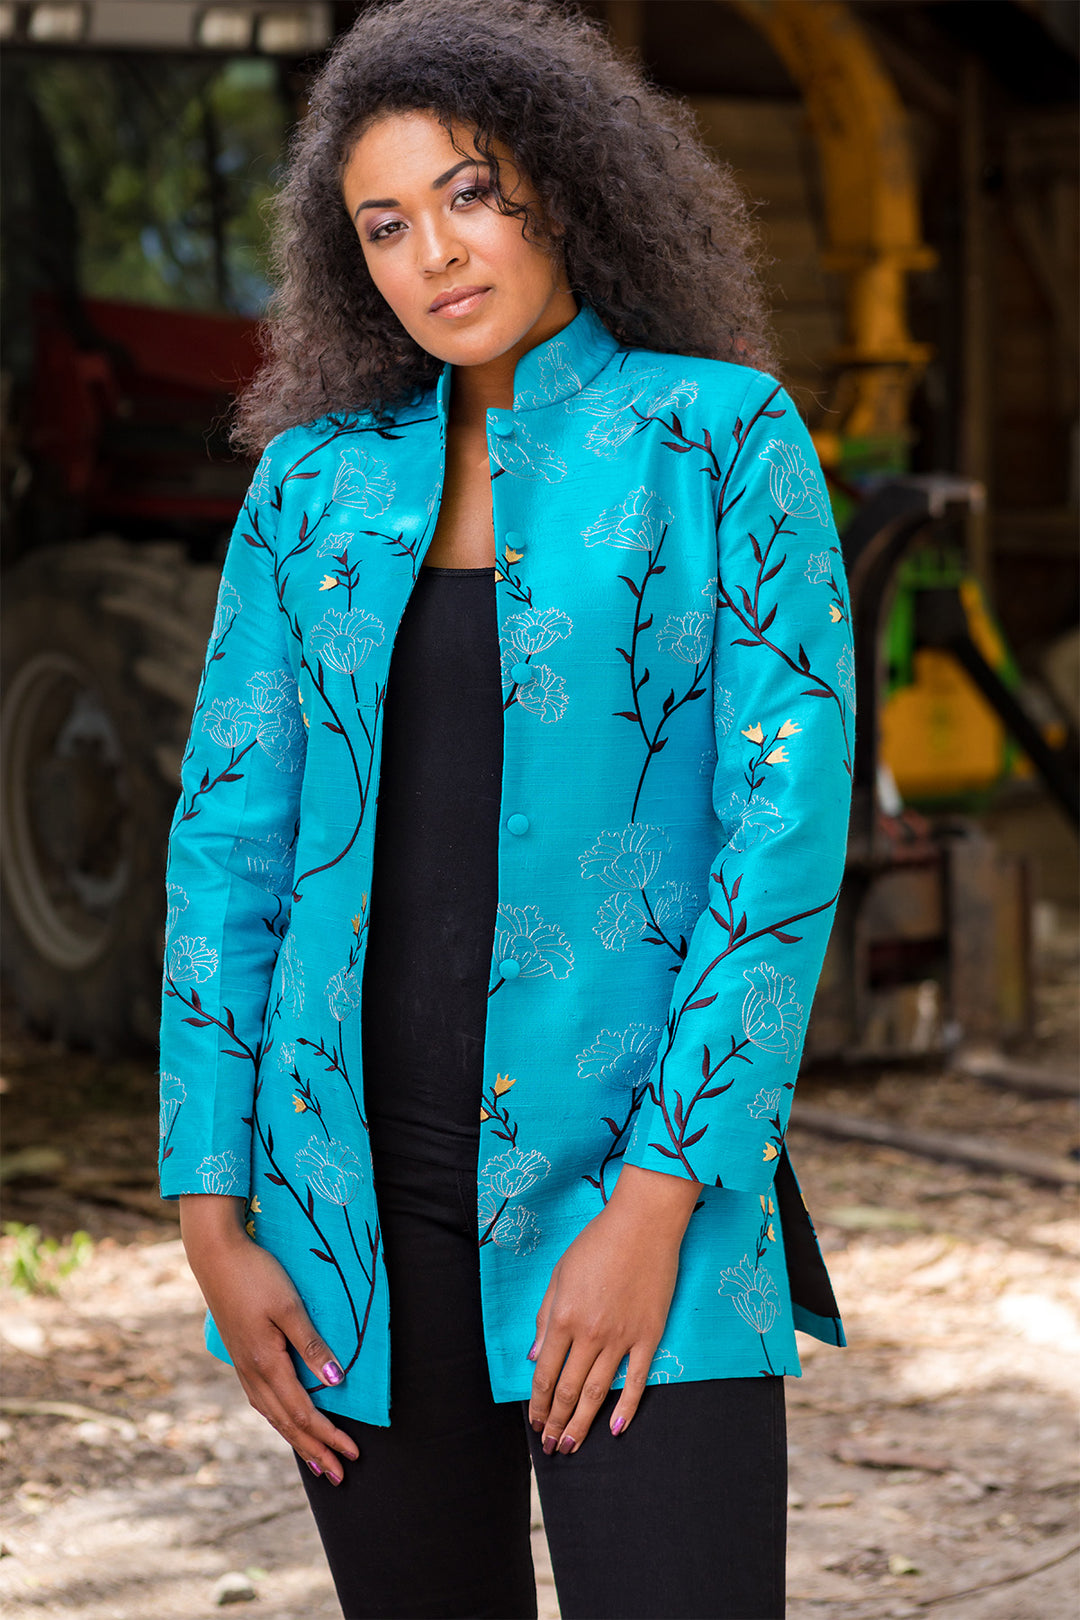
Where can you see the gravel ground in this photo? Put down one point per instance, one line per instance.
(933, 1463)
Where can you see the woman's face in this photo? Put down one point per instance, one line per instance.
(457, 273)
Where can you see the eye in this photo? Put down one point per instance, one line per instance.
(381, 232)
(472, 193)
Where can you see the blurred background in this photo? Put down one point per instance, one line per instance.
(915, 167)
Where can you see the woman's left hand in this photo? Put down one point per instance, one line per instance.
(608, 1298)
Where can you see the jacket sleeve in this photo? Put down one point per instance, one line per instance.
(719, 1093)
(229, 867)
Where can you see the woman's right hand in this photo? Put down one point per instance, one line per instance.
(259, 1313)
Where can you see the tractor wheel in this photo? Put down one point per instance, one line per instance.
(103, 643)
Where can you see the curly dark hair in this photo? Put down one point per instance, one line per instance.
(657, 235)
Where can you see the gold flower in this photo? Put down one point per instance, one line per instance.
(769, 1153)
(755, 733)
(255, 1206)
(770, 1233)
(788, 729)
(328, 582)
(299, 1104)
(484, 1115)
(503, 1083)
(499, 576)
(777, 757)
(249, 1228)
(356, 922)
(513, 556)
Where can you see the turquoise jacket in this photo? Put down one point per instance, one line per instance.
(678, 729)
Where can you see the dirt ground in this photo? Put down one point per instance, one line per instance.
(934, 1464)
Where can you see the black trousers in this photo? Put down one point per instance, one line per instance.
(682, 1516)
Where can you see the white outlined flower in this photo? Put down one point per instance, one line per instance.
(793, 484)
(538, 947)
(363, 483)
(636, 524)
(771, 1017)
(626, 858)
(620, 1057)
(331, 1170)
(687, 636)
(344, 641)
(221, 1174)
(191, 960)
(229, 721)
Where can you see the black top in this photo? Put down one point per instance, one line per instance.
(435, 877)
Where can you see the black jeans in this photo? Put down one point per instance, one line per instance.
(683, 1516)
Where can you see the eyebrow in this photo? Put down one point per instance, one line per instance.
(436, 185)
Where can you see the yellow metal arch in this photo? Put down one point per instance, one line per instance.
(871, 205)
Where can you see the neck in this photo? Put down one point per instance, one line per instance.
(475, 390)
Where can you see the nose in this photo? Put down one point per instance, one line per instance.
(437, 247)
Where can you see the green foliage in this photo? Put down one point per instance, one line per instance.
(37, 1265)
(167, 163)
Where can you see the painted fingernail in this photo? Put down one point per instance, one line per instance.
(332, 1373)
(567, 1444)
(537, 1426)
(335, 1479)
(619, 1425)
(535, 1350)
(549, 1444)
(315, 1469)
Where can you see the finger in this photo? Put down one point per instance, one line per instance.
(594, 1392)
(271, 1385)
(553, 1351)
(567, 1393)
(543, 1313)
(310, 1346)
(637, 1376)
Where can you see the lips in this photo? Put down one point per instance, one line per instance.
(456, 295)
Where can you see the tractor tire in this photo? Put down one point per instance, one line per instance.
(103, 645)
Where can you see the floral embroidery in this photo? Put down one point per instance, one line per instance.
(220, 1173)
(818, 568)
(620, 1057)
(845, 675)
(626, 858)
(636, 524)
(229, 722)
(687, 637)
(525, 457)
(332, 1170)
(536, 630)
(619, 410)
(747, 821)
(771, 1017)
(537, 946)
(228, 606)
(363, 483)
(765, 1104)
(172, 1093)
(292, 976)
(192, 961)
(344, 993)
(753, 1293)
(343, 641)
(544, 695)
(794, 486)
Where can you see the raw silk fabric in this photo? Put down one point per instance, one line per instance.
(678, 731)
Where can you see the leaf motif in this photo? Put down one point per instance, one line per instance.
(629, 583)
(740, 927)
(676, 426)
(769, 617)
(275, 1179)
(736, 886)
(742, 641)
(319, 1255)
(625, 714)
(774, 570)
(682, 449)
(803, 660)
(757, 550)
(785, 939)
(689, 1141)
(669, 1153)
(706, 1001)
(705, 1062)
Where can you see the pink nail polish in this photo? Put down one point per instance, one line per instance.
(315, 1469)
(619, 1425)
(567, 1444)
(332, 1373)
(549, 1444)
(534, 1352)
(537, 1426)
(335, 1479)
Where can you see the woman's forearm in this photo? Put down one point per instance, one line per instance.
(664, 1203)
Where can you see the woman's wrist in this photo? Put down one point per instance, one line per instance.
(662, 1203)
(211, 1218)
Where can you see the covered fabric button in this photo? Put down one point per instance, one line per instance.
(513, 539)
(521, 673)
(503, 428)
(517, 824)
(509, 968)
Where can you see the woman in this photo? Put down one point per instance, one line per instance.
(512, 824)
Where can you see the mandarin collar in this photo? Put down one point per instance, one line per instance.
(556, 369)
